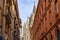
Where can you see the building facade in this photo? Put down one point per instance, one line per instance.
(28, 25)
(9, 20)
(46, 24)
(26, 31)
(21, 34)
(31, 20)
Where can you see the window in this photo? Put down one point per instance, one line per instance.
(49, 4)
(42, 6)
(50, 16)
(43, 33)
(15, 35)
(56, 4)
(8, 17)
(10, 2)
(14, 1)
(46, 28)
(41, 20)
(42, 39)
(15, 23)
(50, 23)
(51, 37)
(49, 0)
(0, 8)
(46, 38)
(39, 24)
(45, 18)
(43, 23)
(43, 15)
(45, 4)
(15, 7)
(58, 34)
(50, 11)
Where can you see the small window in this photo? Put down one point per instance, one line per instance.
(49, 5)
(45, 18)
(46, 28)
(8, 18)
(43, 33)
(42, 7)
(50, 23)
(15, 7)
(45, 8)
(42, 23)
(49, 0)
(58, 34)
(46, 38)
(0, 8)
(50, 15)
(51, 37)
(50, 11)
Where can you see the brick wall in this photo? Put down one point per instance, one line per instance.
(46, 19)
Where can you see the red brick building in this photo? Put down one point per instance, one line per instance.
(46, 25)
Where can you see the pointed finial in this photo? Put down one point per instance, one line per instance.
(34, 7)
(34, 2)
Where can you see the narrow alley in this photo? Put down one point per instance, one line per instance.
(29, 19)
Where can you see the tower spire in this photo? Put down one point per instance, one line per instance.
(34, 7)
(34, 2)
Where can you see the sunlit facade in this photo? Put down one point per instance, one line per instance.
(26, 31)
(31, 20)
(9, 20)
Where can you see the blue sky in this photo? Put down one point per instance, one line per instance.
(25, 8)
